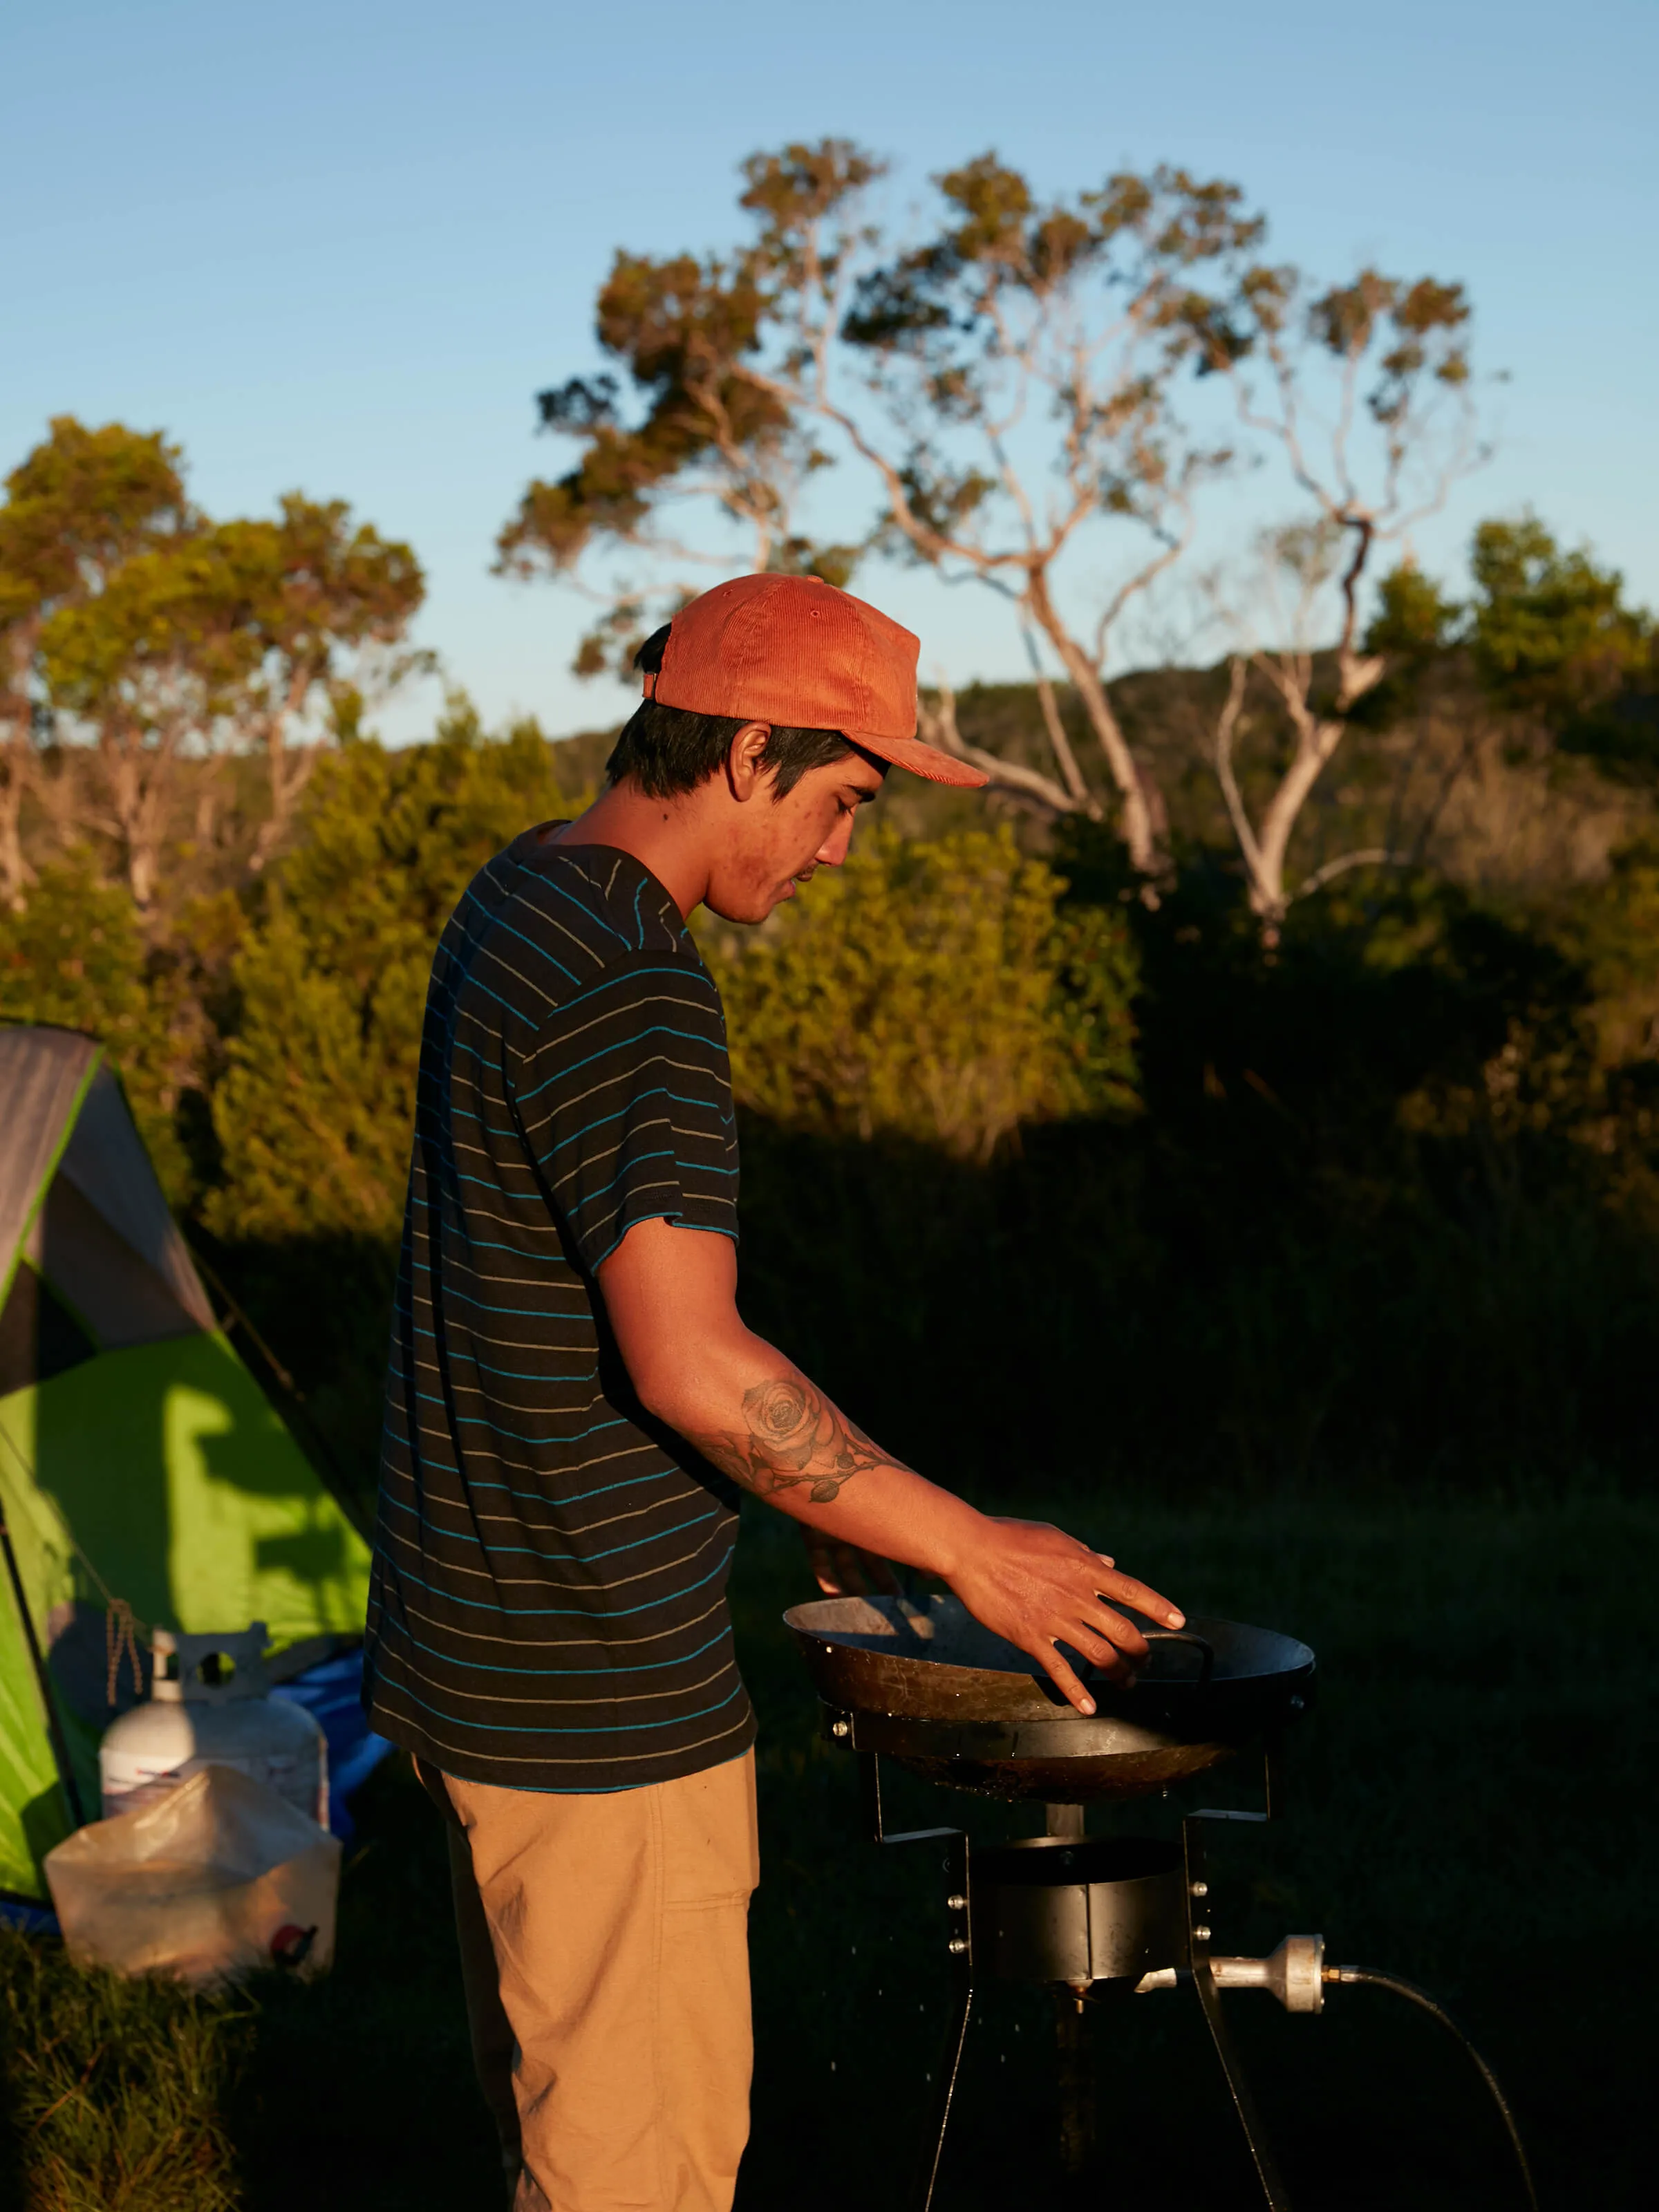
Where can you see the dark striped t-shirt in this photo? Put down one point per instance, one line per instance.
(548, 1605)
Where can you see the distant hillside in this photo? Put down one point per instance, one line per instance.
(1489, 801)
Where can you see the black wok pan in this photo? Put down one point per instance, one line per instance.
(927, 1686)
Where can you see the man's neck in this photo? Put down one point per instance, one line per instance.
(663, 835)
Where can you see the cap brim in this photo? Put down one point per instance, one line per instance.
(922, 759)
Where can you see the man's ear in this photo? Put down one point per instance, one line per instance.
(743, 768)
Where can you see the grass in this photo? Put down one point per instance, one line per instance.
(1470, 1805)
(115, 2092)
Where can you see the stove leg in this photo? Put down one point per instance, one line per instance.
(1077, 2088)
(1266, 2166)
(949, 2068)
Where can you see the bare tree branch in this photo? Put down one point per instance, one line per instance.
(1370, 856)
(1226, 723)
(938, 723)
(1071, 774)
(1409, 339)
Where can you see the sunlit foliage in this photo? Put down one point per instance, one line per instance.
(934, 991)
(314, 1112)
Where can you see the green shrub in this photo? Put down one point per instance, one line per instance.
(314, 1112)
(935, 991)
(1032, 1177)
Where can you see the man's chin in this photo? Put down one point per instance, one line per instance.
(748, 904)
(746, 913)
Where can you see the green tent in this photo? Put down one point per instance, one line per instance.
(139, 1460)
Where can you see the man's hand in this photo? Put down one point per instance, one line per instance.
(1031, 1583)
(1037, 1587)
(841, 1569)
(671, 1294)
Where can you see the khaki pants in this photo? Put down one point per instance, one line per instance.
(604, 1953)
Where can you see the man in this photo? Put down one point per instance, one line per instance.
(574, 1405)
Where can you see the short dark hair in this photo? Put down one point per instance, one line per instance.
(670, 749)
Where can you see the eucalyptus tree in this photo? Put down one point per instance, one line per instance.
(1007, 384)
(1362, 394)
(75, 508)
(1034, 392)
(227, 637)
(311, 613)
(138, 633)
(128, 669)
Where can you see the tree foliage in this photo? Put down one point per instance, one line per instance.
(934, 991)
(1020, 392)
(140, 632)
(1275, 1214)
(1550, 629)
(314, 1112)
(78, 955)
(1390, 357)
(1413, 616)
(821, 339)
(75, 508)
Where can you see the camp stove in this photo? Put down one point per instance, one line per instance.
(929, 1689)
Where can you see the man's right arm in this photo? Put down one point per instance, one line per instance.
(671, 1296)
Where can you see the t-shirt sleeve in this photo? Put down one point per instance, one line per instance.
(625, 1103)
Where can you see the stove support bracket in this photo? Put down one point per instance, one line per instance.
(953, 1846)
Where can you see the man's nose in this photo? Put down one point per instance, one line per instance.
(833, 851)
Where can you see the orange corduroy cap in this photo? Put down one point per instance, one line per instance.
(795, 651)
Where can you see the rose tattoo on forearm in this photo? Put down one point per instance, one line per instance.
(794, 1436)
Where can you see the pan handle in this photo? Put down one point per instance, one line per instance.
(1201, 1644)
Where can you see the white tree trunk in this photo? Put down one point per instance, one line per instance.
(1139, 832)
(14, 871)
(290, 768)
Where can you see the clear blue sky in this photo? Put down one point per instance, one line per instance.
(340, 246)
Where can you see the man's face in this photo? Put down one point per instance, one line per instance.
(776, 843)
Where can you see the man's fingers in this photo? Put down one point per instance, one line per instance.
(843, 1571)
(844, 1568)
(1114, 1629)
(1127, 1591)
(1101, 1653)
(829, 1564)
(1038, 1587)
(874, 1572)
(1062, 1676)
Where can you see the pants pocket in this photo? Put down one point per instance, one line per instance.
(711, 1849)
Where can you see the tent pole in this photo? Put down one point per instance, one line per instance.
(54, 1726)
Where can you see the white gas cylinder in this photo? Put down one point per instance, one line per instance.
(202, 1713)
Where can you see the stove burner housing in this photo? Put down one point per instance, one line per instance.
(1095, 1909)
